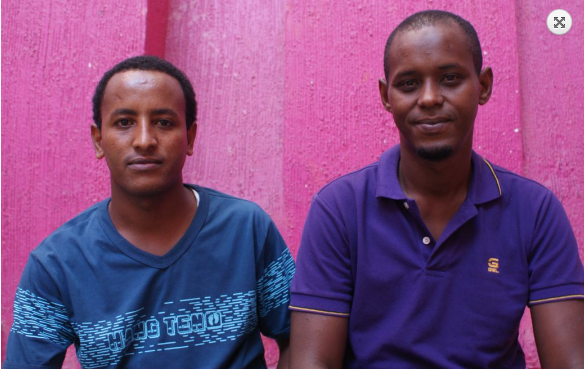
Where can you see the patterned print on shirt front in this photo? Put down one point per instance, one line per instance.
(182, 324)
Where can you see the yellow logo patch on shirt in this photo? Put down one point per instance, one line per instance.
(493, 265)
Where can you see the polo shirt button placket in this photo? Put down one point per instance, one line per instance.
(426, 240)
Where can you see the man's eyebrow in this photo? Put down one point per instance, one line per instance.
(449, 66)
(160, 111)
(164, 111)
(123, 111)
(411, 72)
(405, 73)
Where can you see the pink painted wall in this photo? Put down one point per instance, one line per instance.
(288, 100)
(53, 54)
(551, 78)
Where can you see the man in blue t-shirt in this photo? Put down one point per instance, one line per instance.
(162, 274)
(428, 258)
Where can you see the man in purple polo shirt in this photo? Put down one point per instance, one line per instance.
(427, 258)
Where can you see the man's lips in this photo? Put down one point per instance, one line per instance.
(142, 163)
(432, 121)
(432, 125)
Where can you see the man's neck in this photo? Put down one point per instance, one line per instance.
(439, 188)
(153, 223)
(440, 179)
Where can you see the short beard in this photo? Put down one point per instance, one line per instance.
(434, 153)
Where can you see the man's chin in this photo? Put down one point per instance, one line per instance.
(143, 189)
(437, 153)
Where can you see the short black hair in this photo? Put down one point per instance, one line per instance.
(430, 18)
(150, 63)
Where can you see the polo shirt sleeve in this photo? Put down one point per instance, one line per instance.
(41, 332)
(276, 269)
(323, 282)
(555, 268)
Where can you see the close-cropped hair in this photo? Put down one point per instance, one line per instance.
(147, 63)
(430, 18)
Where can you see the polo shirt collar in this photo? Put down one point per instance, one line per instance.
(484, 187)
(387, 180)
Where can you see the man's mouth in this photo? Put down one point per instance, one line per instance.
(144, 163)
(433, 125)
(432, 121)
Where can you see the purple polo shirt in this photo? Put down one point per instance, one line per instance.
(416, 302)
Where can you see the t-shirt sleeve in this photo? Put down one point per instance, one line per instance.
(41, 332)
(273, 285)
(323, 282)
(555, 268)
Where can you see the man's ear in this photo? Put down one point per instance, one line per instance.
(486, 81)
(96, 138)
(383, 92)
(191, 134)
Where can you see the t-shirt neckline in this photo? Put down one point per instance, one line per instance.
(156, 261)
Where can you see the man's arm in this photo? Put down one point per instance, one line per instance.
(276, 268)
(559, 334)
(284, 347)
(41, 331)
(317, 341)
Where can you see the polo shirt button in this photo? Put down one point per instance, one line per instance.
(406, 205)
(426, 240)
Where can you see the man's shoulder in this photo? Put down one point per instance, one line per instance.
(352, 181)
(220, 201)
(375, 178)
(516, 184)
(74, 231)
(522, 196)
(81, 220)
(229, 215)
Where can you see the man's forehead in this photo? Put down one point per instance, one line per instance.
(432, 32)
(445, 39)
(135, 77)
(138, 77)
(144, 86)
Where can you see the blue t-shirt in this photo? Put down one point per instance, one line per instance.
(201, 305)
(416, 302)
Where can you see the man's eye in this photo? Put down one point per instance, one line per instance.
(124, 123)
(164, 123)
(408, 85)
(451, 78)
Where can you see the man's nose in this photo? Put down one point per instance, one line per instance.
(430, 95)
(145, 137)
